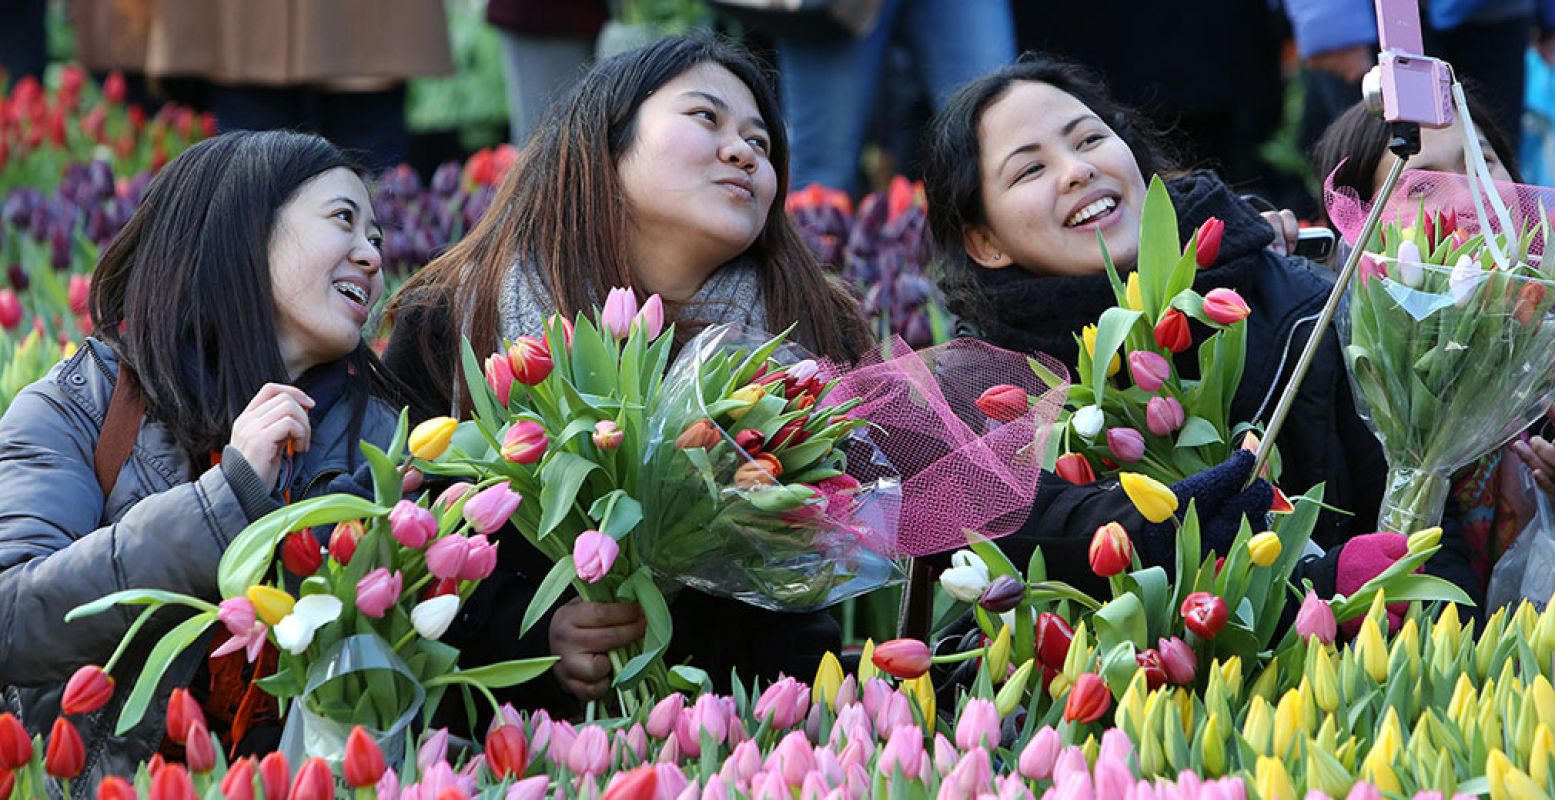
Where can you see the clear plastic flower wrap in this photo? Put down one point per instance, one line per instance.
(812, 486)
(1449, 332)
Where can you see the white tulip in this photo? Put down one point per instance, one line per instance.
(1409, 269)
(1466, 276)
(1088, 421)
(295, 630)
(432, 617)
(967, 577)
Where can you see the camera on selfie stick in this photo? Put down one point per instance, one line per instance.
(1407, 89)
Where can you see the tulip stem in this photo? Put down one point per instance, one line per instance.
(129, 636)
(956, 658)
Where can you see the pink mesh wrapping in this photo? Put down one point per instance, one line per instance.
(960, 470)
(1442, 192)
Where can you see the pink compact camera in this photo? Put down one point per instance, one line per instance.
(1407, 85)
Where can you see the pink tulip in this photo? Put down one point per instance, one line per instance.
(536, 788)
(1363, 791)
(669, 781)
(945, 755)
(525, 442)
(1127, 445)
(237, 613)
(453, 494)
(607, 435)
(903, 751)
(620, 309)
(590, 752)
(1178, 661)
(978, 725)
(971, 773)
(709, 719)
(377, 591)
(716, 789)
(1040, 754)
(876, 692)
(894, 712)
(490, 510)
(530, 360)
(562, 737)
(445, 558)
(1150, 370)
(1316, 618)
(1371, 267)
(636, 741)
(1164, 415)
(593, 553)
(480, 559)
(652, 316)
(743, 763)
(499, 376)
(847, 693)
(662, 719)
(247, 632)
(783, 704)
(411, 524)
(793, 758)
(1225, 306)
(432, 751)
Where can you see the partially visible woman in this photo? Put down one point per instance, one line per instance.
(229, 376)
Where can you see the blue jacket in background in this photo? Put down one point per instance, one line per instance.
(1320, 26)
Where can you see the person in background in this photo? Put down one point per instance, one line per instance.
(546, 46)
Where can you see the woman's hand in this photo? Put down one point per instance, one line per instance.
(1538, 455)
(1287, 230)
(277, 415)
(583, 633)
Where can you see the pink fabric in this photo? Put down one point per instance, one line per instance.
(1441, 192)
(1364, 558)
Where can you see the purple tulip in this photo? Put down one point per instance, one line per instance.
(1127, 445)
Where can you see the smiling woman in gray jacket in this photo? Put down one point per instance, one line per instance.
(229, 376)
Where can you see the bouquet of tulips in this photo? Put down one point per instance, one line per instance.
(1448, 352)
(355, 628)
(1159, 423)
(753, 479)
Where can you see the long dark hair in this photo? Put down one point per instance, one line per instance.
(183, 293)
(1355, 143)
(952, 176)
(561, 206)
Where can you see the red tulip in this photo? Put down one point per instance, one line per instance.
(1111, 550)
(199, 751)
(114, 88)
(530, 359)
(274, 776)
(7, 777)
(1053, 638)
(300, 553)
(1088, 700)
(172, 783)
(1208, 236)
(78, 293)
(314, 781)
(506, 752)
(1074, 468)
(1371, 267)
(1204, 614)
(364, 763)
(1172, 333)
(1149, 661)
(15, 744)
(238, 783)
(344, 539)
(66, 753)
(499, 376)
(113, 787)
(639, 784)
(903, 658)
(88, 690)
(10, 310)
(1004, 402)
(182, 711)
(1225, 306)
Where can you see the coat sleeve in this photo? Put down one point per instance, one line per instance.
(55, 554)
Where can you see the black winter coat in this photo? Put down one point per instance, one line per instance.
(1324, 439)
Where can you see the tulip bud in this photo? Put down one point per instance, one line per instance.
(446, 556)
(300, 553)
(364, 762)
(1466, 276)
(978, 725)
(525, 442)
(344, 539)
(490, 509)
(1004, 403)
(1014, 690)
(378, 591)
(662, 718)
(1111, 550)
(1149, 662)
(431, 618)
(1126, 444)
(967, 577)
(1088, 700)
(1371, 267)
(172, 782)
(1410, 272)
(1178, 660)
(1087, 422)
(1264, 548)
(607, 436)
(113, 787)
(499, 376)
(1204, 614)
(410, 524)
(506, 751)
(1088, 338)
(65, 755)
(89, 689)
(430, 438)
(1132, 297)
(1053, 637)
(1041, 753)
(1208, 237)
(748, 395)
(1225, 306)
(757, 472)
(1003, 594)
(314, 781)
(1424, 539)
(652, 317)
(182, 711)
(1172, 333)
(530, 359)
(593, 554)
(15, 743)
(199, 750)
(902, 658)
(274, 776)
(701, 434)
(1149, 370)
(1163, 415)
(1529, 298)
(1152, 498)
(828, 679)
(10, 310)
(750, 440)
(1075, 469)
(480, 559)
(620, 308)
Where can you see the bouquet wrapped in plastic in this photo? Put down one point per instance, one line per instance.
(765, 490)
(1448, 336)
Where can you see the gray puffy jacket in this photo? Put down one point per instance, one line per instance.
(163, 526)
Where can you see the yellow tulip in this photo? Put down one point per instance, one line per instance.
(921, 689)
(1325, 682)
(828, 679)
(1088, 334)
(1379, 772)
(1258, 728)
(1078, 660)
(1131, 293)
(1287, 723)
(1273, 782)
(1154, 500)
(1213, 737)
(1267, 682)
(1231, 672)
(998, 658)
(1130, 713)
(1324, 772)
(1389, 737)
(1543, 639)
(749, 395)
(866, 664)
(1507, 781)
(1371, 649)
(1090, 748)
(1542, 697)
(1264, 548)
(68, 350)
(1014, 690)
(430, 438)
(271, 605)
(1422, 540)
(1464, 700)
(1059, 686)
(1540, 754)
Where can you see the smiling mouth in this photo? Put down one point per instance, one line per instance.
(1092, 212)
(353, 292)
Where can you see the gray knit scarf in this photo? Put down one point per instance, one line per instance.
(732, 294)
